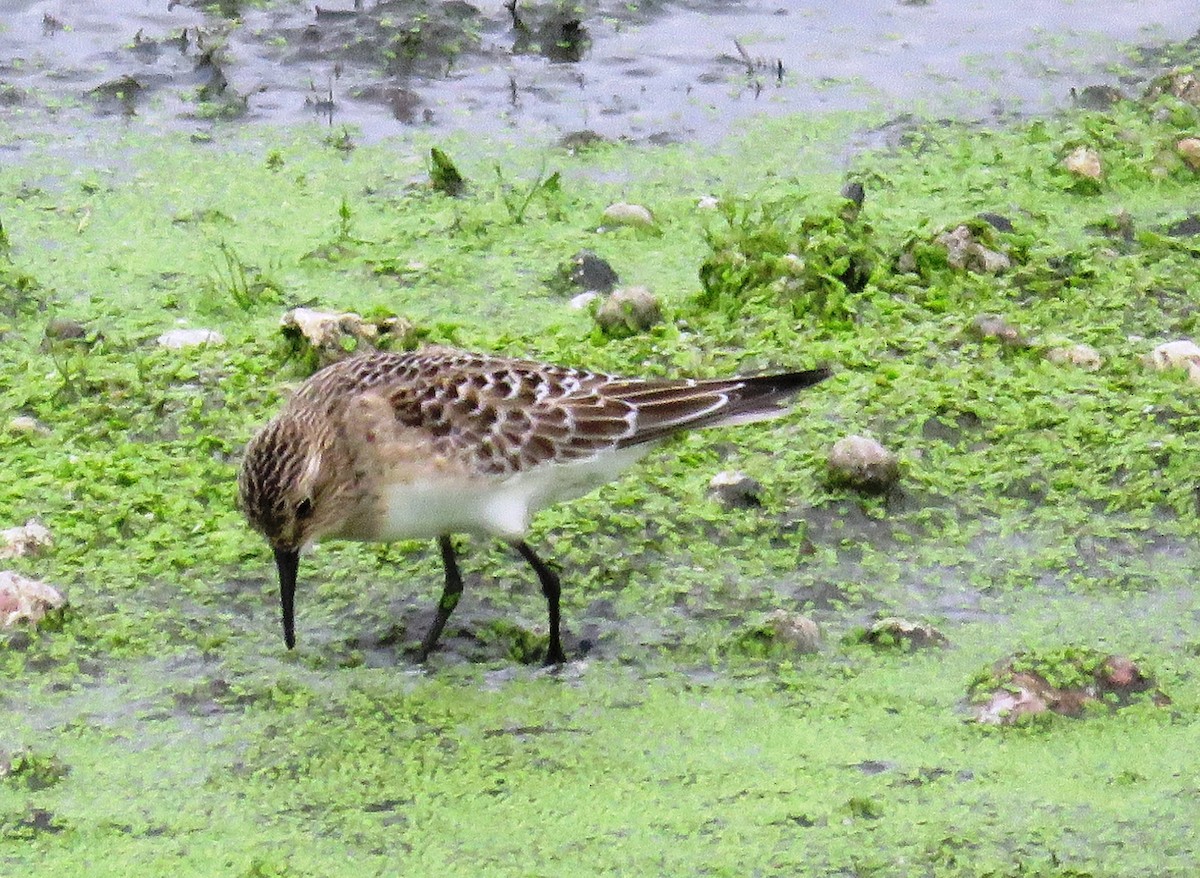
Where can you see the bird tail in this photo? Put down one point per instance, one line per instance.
(668, 407)
(764, 397)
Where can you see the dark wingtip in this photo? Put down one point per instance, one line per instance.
(766, 394)
(819, 374)
(287, 562)
(789, 381)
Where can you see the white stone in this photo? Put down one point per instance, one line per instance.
(25, 600)
(625, 214)
(863, 463)
(28, 539)
(1084, 162)
(176, 339)
(580, 302)
(1168, 355)
(964, 252)
(1082, 355)
(1006, 707)
(1182, 354)
(26, 424)
(735, 488)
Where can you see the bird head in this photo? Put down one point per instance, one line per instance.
(289, 489)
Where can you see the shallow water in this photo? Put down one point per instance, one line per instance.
(666, 72)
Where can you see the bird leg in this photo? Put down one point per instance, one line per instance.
(551, 588)
(451, 592)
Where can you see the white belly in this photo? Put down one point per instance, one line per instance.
(498, 506)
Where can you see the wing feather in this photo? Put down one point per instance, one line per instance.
(501, 416)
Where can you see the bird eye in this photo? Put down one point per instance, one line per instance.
(304, 508)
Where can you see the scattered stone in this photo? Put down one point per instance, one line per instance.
(578, 141)
(896, 632)
(854, 192)
(1084, 162)
(1007, 706)
(853, 195)
(28, 539)
(581, 302)
(997, 221)
(27, 424)
(177, 339)
(1188, 227)
(1181, 354)
(33, 823)
(60, 329)
(1189, 150)
(1097, 97)
(795, 630)
(736, 490)
(625, 214)
(993, 327)
(708, 203)
(1020, 686)
(1180, 83)
(629, 311)
(587, 271)
(862, 463)
(404, 103)
(1084, 356)
(966, 253)
(117, 95)
(26, 600)
(336, 336)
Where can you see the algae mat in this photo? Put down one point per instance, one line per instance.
(163, 727)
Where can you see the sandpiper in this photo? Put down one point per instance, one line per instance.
(428, 444)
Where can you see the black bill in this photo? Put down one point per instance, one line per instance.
(288, 563)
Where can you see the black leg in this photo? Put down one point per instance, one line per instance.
(449, 600)
(551, 588)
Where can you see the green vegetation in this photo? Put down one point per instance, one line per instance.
(1041, 505)
(773, 254)
(443, 175)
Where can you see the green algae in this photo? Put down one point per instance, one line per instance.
(1041, 506)
(615, 774)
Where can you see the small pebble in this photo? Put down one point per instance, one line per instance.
(25, 600)
(580, 302)
(177, 339)
(864, 464)
(894, 631)
(26, 424)
(736, 490)
(795, 630)
(1084, 162)
(1084, 356)
(28, 539)
(625, 214)
(629, 311)
(1189, 150)
(1183, 353)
